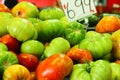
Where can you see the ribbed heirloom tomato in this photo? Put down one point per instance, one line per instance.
(96, 70)
(108, 24)
(16, 72)
(80, 55)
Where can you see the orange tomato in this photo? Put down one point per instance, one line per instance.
(4, 8)
(108, 24)
(80, 55)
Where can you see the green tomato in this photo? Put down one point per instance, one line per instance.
(6, 15)
(32, 47)
(7, 58)
(99, 46)
(4, 22)
(74, 33)
(115, 71)
(98, 70)
(3, 47)
(91, 34)
(94, 33)
(50, 29)
(51, 13)
(93, 20)
(64, 21)
(57, 45)
(36, 22)
(22, 29)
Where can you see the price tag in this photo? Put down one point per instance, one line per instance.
(77, 9)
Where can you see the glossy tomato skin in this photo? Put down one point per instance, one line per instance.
(50, 29)
(47, 13)
(97, 70)
(74, 33)
(108, 24)
(16, 72)
(18, 28)
(55, 67)
(115, 67)
(7, 58)
(12, 43)
(81, 55)
(28, 60)
(99, 46)
(55, 48)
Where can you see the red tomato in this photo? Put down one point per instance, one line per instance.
(12, 43)
(55, 67)
(80, 54)
(28, 60)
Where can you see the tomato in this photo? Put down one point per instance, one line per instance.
(12, 43)
(80, 55)
(55, 67)
(34, 47)
(115, 67)
(64, 21)
(5, 18)
(16, 72)
(74, 33)
(56, 46)
(3, 47)
(22, 29)
(4, 8)
(99, 46)
(51, 13)
(28, 60)
(93, 20)
(108, 24)
(7, 58)
(50, 29)
(116, 44)
(97, 70)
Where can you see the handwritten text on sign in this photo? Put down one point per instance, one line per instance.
(76, 9)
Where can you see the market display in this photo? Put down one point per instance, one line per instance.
(42, 44)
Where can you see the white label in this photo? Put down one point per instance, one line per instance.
(77, 9)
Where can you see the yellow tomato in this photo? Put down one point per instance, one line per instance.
(16, 72)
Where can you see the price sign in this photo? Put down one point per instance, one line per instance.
(77, 9)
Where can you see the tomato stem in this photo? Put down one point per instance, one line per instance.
(88, 66)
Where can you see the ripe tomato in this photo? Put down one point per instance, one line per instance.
(28, 60)
(12, 43)
(81, 55)
(55, 67)
(16, 72)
